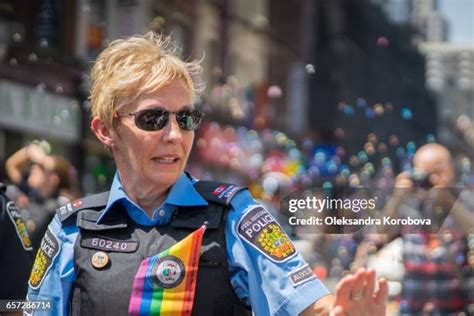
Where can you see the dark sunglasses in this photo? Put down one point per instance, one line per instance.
(156, 119)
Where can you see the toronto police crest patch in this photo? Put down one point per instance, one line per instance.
(259, 228)
(48, 251)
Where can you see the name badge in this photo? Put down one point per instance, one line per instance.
(109, 244)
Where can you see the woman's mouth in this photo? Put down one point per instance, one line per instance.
(166, 159)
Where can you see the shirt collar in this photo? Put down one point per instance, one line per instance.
(182, 193)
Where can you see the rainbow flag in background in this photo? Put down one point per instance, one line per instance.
(165, 283)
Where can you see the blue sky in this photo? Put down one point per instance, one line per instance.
(460, 14)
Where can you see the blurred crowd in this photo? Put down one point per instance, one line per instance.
(428, 275)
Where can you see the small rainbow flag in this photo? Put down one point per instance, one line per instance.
(165, 283)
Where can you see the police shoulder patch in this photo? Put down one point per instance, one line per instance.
(96, 201)
(19, 225)
(217, 192)
(260, 229)
(65, 211)
(45, 257)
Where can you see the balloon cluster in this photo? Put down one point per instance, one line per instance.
(248, 152)
(271, 158)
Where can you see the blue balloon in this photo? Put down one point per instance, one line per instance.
(406, 114)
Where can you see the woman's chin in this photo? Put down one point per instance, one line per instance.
(167, 179)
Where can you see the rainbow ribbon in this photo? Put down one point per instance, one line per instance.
(165, 283)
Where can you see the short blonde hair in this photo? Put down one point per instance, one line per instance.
(137, 65)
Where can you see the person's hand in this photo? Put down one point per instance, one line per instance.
(355, 295)
(403, 181)
(35, 153)
(403, 186)
(444, 197)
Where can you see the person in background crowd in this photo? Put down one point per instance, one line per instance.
(42, 183)
(161, 241)
(439, 262)
(16, 252)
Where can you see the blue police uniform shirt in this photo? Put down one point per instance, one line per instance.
(262, 283)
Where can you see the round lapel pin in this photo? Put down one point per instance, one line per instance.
(168, 272)
(99, 260)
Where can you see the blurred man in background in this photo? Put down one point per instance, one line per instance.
(437, 260)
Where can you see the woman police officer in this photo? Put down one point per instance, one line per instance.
(142, 106)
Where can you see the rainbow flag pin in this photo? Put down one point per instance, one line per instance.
(165, 283)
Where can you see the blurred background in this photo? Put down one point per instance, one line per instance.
(299, 92)
(304, 88)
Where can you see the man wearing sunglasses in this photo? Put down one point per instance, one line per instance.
(95, 248)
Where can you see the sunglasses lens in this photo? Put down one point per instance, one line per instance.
(156, 119)
(151, 120)
(189, 119)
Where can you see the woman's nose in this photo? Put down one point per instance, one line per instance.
(172, 132)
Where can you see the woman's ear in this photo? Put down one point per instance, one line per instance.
(102, 132)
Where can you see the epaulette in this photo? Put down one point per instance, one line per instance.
(92, 202)
(217, 192)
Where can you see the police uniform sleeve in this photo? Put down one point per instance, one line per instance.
(53, 270)
(266, 270)
(15, 251)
